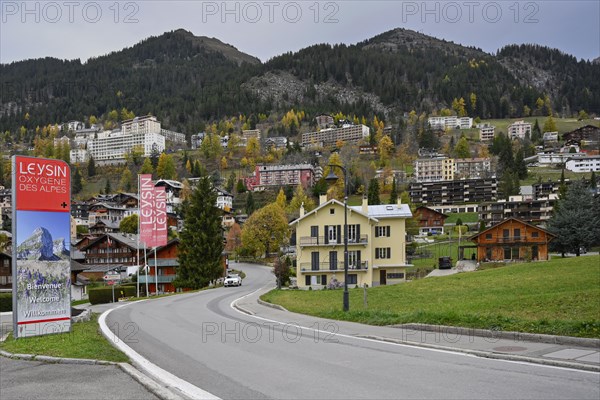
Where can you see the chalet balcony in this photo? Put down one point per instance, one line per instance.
(335, 267)
(519, 239)
(321, 241)
(152, 278)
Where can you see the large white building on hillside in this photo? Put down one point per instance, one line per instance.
(330, 136)
(115, 145)
(519, 129)
(450, 122)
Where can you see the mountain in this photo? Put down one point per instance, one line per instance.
(40, 246)
(187, 81)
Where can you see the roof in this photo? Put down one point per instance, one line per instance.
(77, 267)
(386, 211)
(328, 203)
(108, 223)
(505, 221)
(129, 241)
(169, 182)
(432, 210)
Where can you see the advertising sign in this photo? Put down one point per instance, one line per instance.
(146, 210)
(41, 215)
(160, 216)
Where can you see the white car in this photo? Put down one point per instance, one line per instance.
(232, 280)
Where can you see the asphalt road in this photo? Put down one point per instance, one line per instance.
(201, 339)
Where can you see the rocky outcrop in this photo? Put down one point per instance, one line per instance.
(40, 246)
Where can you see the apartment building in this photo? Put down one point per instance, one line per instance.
(454, 192)
(450, 122)
(376, 244)
(283, 175)
(519, 129)
(434, 169)
(583, 164)
(330, 136)
(115, 145)
(440, 168)
(487, 132)
(530, 210)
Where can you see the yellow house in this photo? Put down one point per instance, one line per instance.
(376, 244)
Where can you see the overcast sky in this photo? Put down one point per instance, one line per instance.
(81, 29)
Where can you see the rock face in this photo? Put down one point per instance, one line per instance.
(41, 246)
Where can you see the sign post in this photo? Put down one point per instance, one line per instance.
(41, 261)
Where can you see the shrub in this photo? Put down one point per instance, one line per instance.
(5, 302)
(104, 294)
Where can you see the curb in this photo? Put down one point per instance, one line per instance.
(275, 306)
(510, 335)
(55, 360)
(491, 355)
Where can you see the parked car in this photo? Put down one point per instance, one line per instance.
(232, 280)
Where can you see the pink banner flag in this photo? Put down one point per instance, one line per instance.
(146, 203)
(160, 216)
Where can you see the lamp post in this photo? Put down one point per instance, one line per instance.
(332, 178)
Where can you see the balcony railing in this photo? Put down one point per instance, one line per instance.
(339, 266)
(152, 278)
(320, 241)
(519, 239)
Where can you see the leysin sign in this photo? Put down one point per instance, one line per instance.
(41, 210)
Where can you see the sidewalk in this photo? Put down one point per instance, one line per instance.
(561, 351)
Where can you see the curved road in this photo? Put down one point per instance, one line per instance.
(200, 338)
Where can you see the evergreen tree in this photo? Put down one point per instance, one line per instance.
(250, 206)
(240, 187)
(91, 167)
(520, 166)
(154, 156)
(107, 188)
(166, 167)
(576, 222)
(147, 167)
(394, 192)
(481, 226)
(373, 193)
(230, 182)
(201, 240)
(593, 183)
(77, 183)
(536, 133)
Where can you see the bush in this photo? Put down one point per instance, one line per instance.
(104, 294)
(5, 302)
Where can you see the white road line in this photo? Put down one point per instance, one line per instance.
(414, 346)
(163, 376)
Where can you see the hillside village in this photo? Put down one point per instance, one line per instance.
(404, 190)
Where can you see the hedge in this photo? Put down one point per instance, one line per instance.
(104, 294)
(5, 302)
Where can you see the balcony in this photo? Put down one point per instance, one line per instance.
(320, 241)
(152, 278)
(339, 266)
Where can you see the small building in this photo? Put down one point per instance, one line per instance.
(487, 132)
(512, 239)
(583, 164)
(519, 129)
(430, 221)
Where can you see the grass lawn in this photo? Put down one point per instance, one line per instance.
(437, 250)
(84, 341)
(558, 297)
(467, 217)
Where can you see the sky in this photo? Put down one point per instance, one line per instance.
(70, 29)
(57, 223)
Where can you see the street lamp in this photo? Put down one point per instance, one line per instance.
(332, 178)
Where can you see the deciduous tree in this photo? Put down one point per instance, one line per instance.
(267, 229)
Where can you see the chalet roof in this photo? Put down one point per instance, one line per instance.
(432, 210)
(77, 267)
(475, 236)
(128, 240)
(169, 182)
(108, 223)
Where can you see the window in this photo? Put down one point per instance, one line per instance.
(535, 234)
(332, 211)
(395, 275)
(383, 231)
(353, 233)
(488, 235)
(352, 279)
(383, 252)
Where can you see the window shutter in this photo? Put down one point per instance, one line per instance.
(388, 231)
(339, 234)
(358, 258)
(326, 234)
(389, 252)
(376, 231)
(357, 233)
(376, 253)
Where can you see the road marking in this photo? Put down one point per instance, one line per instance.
(163, 376)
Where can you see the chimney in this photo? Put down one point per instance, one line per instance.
(302, 210)
(322, 199)
(365, 205)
